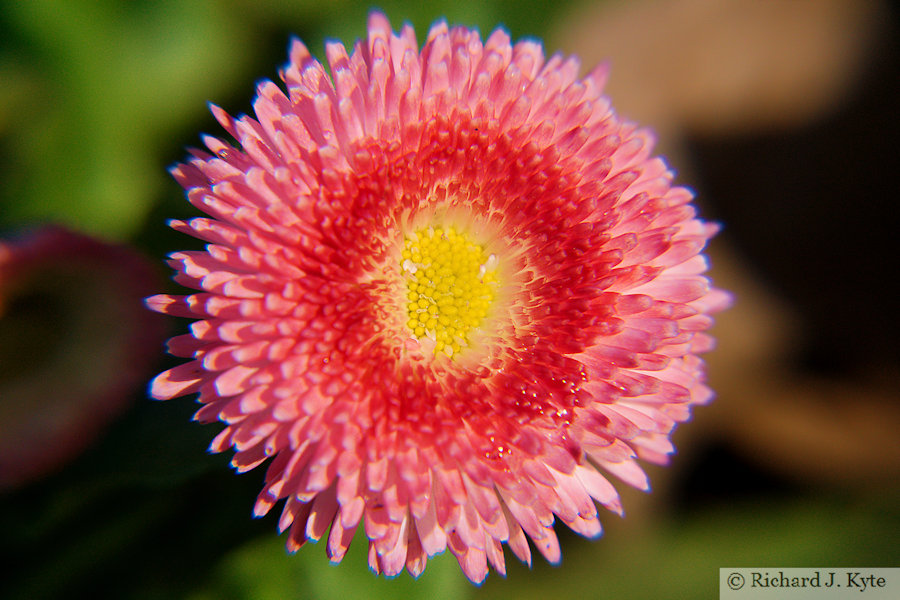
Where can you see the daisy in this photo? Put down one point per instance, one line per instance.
(447, 293)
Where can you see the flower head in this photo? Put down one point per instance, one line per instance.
(446, 292)
(65, 374)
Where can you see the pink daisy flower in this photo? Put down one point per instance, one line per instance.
(447, 292)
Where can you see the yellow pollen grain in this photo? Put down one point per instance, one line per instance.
(450, 285)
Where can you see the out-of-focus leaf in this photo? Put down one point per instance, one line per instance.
(263, 570)
(114, 81)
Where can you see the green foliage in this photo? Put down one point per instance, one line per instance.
(262, 570)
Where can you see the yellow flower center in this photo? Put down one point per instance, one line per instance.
(450, 285)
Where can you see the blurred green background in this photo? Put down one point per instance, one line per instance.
(795, 464)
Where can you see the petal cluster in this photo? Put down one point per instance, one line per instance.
(584, 364)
